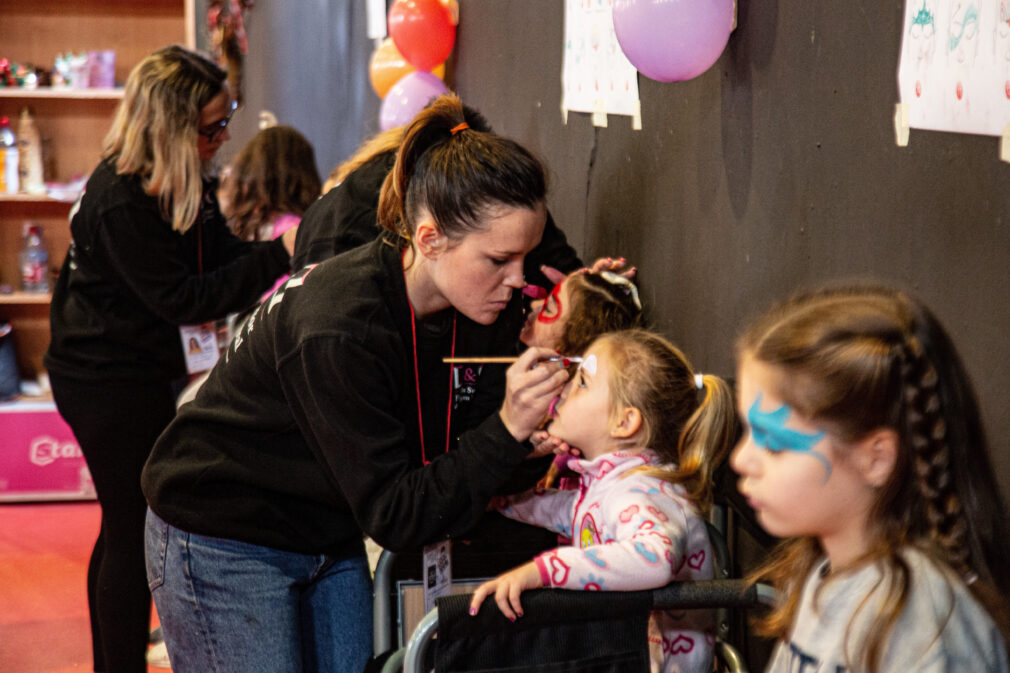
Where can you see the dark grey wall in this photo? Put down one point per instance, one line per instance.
(308, 64)
(774, 170)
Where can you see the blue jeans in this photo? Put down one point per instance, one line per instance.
(228, 606)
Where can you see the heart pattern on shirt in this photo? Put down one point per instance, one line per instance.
(679, 645)
(627, 513)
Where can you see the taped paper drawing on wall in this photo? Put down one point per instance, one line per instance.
(954, 69)
(596, 76)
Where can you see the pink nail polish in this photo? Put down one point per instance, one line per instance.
(473, 611)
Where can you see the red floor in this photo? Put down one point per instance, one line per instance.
(44, 550)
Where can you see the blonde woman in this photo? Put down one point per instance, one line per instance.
(149, 253)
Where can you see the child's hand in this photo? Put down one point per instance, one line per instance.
(602, 264)
(613, 264)
(507, 589)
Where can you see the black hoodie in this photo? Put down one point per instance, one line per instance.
(307, 433)
(129, 280)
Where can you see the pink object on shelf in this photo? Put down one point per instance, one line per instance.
(102, 68)
(39, 458)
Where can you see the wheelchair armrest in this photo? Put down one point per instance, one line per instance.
(736, 593)
(382, 637)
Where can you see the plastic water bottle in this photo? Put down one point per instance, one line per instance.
(34, 261)
(9, 182)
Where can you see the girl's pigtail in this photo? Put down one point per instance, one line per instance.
(927, 436)
(705, 440)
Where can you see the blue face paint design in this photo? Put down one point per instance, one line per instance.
(768, 428)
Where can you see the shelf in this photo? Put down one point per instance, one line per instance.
(35, 198)
(62, 93)
(21, 298)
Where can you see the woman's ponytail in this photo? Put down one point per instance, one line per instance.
(452, 168)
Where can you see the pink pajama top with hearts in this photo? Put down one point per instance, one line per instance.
(631, 531)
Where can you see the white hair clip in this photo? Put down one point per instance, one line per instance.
(626, 285)
(699, 381)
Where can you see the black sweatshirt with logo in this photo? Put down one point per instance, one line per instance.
(129, 280)
(306, 434)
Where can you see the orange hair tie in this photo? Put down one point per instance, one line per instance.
(459, 127)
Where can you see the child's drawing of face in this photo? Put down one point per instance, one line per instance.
(963, 32)
(922, 32)
(545, 324)
(582, 417)
(788, 465)
(1003, 32)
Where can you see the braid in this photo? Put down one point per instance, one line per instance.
(927, 436)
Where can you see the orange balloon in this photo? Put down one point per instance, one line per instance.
(387, 66)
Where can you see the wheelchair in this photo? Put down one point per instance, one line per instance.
(543, 642)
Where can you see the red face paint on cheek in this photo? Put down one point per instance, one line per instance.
(556, 296)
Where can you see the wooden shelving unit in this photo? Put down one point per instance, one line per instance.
(21, 298)
(72, 123)
(31, 198)
(61, 93)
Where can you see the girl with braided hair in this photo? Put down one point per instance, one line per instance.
(864, 447)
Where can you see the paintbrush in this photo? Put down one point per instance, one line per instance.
(565, 360)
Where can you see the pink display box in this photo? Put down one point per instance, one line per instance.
(39, 457)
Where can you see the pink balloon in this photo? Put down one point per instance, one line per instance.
(409, 96)
(673, 40)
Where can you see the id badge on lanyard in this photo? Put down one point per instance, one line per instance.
(437, 572)
(436, 568)
(199, 346)
(199, 342)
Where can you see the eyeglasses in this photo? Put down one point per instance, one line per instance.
(213, 131)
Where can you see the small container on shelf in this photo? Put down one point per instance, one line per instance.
(9, 180)
(102, 68)
(30, 154)
(34, 261)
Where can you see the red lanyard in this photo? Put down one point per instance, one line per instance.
(417, 383)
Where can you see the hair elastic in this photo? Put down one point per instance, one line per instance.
(699, 381)
(462, 126)
(625, 284)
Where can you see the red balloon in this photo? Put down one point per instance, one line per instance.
(423, 31)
